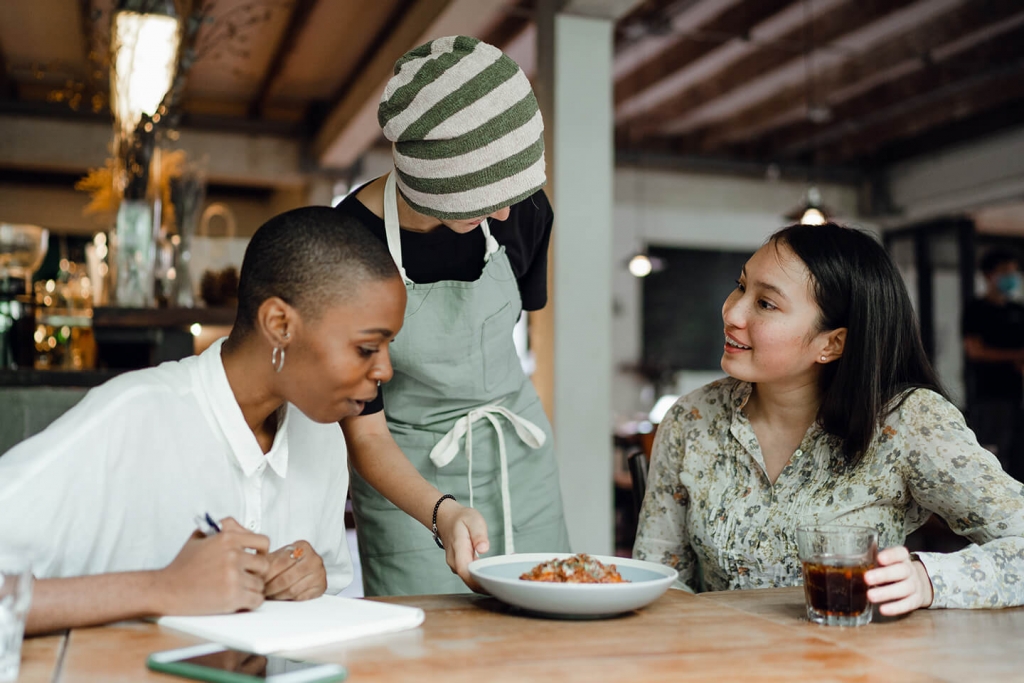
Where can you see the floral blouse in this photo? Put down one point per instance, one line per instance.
(711, 512)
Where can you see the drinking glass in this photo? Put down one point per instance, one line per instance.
(15, 598)
(835, 558)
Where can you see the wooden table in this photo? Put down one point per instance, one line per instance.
(740, 636)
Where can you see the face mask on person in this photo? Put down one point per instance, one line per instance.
(1009, 284)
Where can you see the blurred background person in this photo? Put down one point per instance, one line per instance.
(993, 333)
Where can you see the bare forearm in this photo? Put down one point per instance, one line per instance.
(379, 460)
(92, 600)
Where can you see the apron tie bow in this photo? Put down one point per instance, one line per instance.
(448, 447)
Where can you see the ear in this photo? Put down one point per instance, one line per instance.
(835, 342)
(276, 320)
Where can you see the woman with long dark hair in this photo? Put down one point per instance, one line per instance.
(831, 413)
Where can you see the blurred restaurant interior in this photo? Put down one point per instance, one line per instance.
(679, 134)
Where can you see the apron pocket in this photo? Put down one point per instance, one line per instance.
(499, 351)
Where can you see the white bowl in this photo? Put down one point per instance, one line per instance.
(500, 577)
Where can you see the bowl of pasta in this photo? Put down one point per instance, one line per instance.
(575, 586)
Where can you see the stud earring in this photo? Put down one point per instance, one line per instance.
(277, 359)
(824, 358)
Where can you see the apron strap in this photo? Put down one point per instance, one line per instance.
(448, 447)
(391, 225)
(492, 244)
(392, 228)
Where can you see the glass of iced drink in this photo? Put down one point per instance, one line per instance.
(835, 558)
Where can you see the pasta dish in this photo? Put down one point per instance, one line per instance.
(580, 568)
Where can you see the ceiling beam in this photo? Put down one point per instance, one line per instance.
(873, 60)
(369, 78)
(511, 25)
(850, 115)
(646, 18)
(74, 146)
(347, 122)
(733, 23)
(351, 126)
(605, 9)
(951, 134)
(958, 101)
(301, 11)
(822, 30)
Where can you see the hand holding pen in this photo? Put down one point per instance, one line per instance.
(213, 573)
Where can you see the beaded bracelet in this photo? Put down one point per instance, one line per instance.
(437, 539)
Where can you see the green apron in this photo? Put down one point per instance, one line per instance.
(467, 417)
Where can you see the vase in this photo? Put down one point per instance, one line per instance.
(134, 238)
(187, 194)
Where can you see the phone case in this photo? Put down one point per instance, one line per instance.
(200, 673)
(204, 673)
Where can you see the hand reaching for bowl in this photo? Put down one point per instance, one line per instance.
(464, 534)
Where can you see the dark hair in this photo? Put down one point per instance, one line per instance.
(995, 258)
(308, 257)
(857, 286)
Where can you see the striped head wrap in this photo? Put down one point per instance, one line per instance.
(467, 133)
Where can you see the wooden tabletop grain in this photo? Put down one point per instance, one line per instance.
(730, 636)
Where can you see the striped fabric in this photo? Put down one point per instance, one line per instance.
(467, 133)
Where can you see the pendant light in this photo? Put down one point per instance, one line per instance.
(811, 211)
(641, 264)
(144, 42)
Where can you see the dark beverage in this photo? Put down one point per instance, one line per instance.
(834, 587)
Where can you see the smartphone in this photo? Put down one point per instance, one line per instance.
(219, 664)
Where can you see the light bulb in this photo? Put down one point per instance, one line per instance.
(812, 216)
(640, 265)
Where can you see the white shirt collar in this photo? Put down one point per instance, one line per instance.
(228, 416)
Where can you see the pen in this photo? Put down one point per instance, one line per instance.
(206, 525)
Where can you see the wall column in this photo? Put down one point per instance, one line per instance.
(572, 336)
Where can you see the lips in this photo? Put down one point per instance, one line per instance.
(731, 344)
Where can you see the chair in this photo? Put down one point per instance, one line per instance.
(638, 471)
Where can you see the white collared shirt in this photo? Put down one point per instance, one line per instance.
(114, 484)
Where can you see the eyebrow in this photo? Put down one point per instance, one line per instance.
(384, 332)
(766, 285)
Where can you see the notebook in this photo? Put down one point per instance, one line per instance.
(279, 625)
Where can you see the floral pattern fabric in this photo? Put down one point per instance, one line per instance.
(712, 513)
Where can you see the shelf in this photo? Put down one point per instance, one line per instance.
(55, 378)
(161, 317)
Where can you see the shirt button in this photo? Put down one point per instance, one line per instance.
(798, 453)
(252, 526)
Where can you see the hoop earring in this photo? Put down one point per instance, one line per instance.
(277, 358)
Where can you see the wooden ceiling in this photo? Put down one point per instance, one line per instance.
(854, 84)
(837, 83)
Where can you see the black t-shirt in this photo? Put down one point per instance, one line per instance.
(999, 327)
(446, 255)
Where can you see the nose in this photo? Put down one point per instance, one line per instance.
(501, 214)
(731, 311)
(382, 371)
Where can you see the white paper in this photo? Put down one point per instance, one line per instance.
(279, 625)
